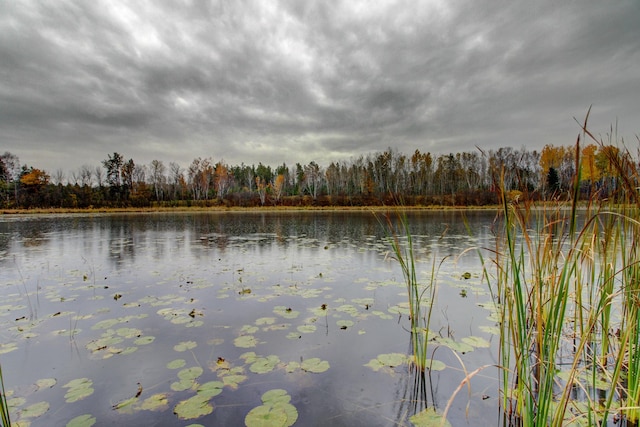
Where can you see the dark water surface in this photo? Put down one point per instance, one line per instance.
(127, 303)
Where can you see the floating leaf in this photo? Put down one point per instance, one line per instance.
(286, 312)
(145, 340)
(267, 416)
(210, 389)
(294, 336)
(176, 364)
(476, 342)
(195, 407)
(232, 381)
(249, 329)
(389, 360)
(306, 329)
(78, 389)
(85, 420)
(46, 383)
(429, 418)
(460, 347)
(185, 345)
(156, 402)
(245, 341)
(315, 365)
(190, 373)
(275, 411)
(265, 321)
(127, 403)
(6, 348)
(262, 365)
(129, 332)
(34, 411)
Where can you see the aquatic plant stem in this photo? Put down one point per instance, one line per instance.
(4, 408)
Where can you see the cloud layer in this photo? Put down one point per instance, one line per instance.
(293, 81)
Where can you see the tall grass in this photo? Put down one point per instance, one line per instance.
(421, 296)
(567, 286)
(4, 408)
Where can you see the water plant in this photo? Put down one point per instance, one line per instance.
(4, 408)
(566, 287)
(421, 296)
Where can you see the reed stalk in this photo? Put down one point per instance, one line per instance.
(4, 408)
(567, 286)
(420, 297)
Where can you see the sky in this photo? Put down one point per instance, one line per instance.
(298, 81)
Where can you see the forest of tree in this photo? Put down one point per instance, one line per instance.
(383, 178)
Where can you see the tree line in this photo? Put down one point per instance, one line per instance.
(388, 177)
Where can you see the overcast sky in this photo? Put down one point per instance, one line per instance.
(295, 81)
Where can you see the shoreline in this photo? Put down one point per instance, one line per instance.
(375, 208)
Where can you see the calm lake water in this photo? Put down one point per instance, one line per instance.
(183, 319)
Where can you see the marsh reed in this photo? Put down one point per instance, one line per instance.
(565, 277)
(4, 408)
(421, 296)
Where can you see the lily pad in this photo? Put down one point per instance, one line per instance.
(262, 365)
(210, 389)
(190, 373)
(314, 365)
(194, 407)
(176, 364)
(306, 329)
(85, 420)
(245, 341)
(34, 411)
(46, 383)
(478, 342)
(275, 411)
(156, 402)
(185, 345)
(388, 360)
(429, 418)
(78, 389)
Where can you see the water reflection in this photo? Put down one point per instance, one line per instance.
(209, 262)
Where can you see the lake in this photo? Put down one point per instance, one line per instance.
(222, 318)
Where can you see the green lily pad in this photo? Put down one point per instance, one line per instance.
(478, 342)
(185, 345)
(34, 411)
(265, 321)
(314, 365)
(144, 340)
(85, 420)
(262, 365)
(78, 389)
(190, 373)
(286, 312)
(249, 329)
(306, 329)
(429, 418)
(210, 389)
(389, 360)
(245, 341)
(156, 402)
(460, 347)
(176, 364)
(232, 381)
(194, 407)
(275, 411)
(46, 383)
